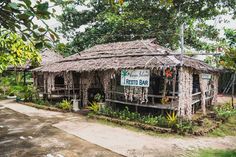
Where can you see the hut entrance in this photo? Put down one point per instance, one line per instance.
(59, 81)
(95, 94)
(196, 94)
(196, 83)
(96, 90)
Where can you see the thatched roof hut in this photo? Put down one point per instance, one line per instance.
(131, 54)
(48, 56)
(100, 69)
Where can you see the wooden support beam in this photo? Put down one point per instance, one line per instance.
(173, 85)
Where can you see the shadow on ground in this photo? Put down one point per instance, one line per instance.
(24, 136)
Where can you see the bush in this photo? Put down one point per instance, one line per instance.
(30, 93)
(150, 119)
(171, 119)
(5, 85)
(224, 111)
(65, 105)
(184, 126)
(39, 102)
(134, 116)
(162, 121)
(94, 106)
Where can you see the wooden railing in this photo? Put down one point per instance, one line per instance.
(118, 97)
(196, 97)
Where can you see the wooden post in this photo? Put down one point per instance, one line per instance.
(203, 85)
(233, 83)
(173, 85)
(164, 90)
(181, 93)
(24, 77)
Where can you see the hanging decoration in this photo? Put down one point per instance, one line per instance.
(169, 73)
(139, 94)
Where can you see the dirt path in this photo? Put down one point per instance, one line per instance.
(126, 142)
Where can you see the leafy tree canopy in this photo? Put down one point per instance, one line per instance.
(122, 20)
(14, 51)
(19, 16)
(20, 36)
(228, 60)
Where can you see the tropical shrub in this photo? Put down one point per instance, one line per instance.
(94, 106)
(5, 85)
(224, 111)
(150, 119)
(171, 119)
(162, 121)
(184, 126)
(65, 105)
(30, 93)
(134, 116)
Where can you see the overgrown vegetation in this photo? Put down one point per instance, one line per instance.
(170, 121)
(228, 128)
(65, 105)
(134, 116)
(12, 86)
(224, 111)
(215, 153)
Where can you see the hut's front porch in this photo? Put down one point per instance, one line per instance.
(162, 94)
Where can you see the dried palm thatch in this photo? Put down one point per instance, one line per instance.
(49, 57)
(119, 55)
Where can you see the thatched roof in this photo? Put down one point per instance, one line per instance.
(48, 57)
(119, 55)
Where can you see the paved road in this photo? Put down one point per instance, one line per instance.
(123, 141)
(31, 134)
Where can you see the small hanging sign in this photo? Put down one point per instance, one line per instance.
(136, 78)
(206, 76)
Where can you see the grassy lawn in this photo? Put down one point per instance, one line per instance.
(215, 153)
(226, 129)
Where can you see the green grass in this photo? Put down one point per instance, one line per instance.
(215, 153)
(226, 129)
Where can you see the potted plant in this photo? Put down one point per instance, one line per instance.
(99, 98)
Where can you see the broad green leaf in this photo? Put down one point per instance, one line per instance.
(13, 5)
(27, 2)
(42, 7)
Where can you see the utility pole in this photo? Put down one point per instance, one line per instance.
(180, 108)
(182, 44)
